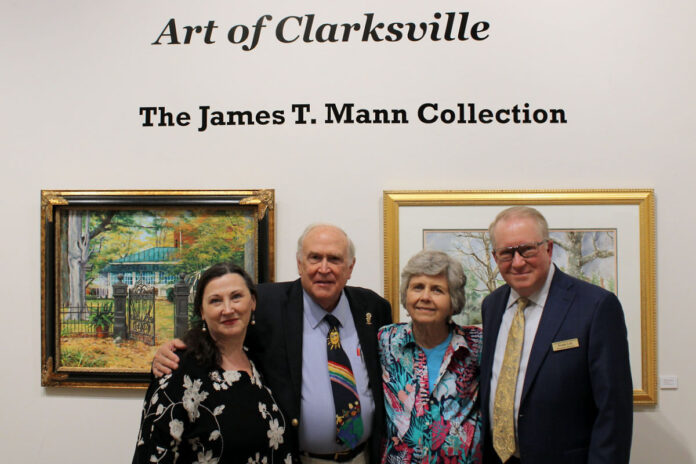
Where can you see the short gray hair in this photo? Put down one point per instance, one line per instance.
(350, 251)
(434, 263)
(520, 212)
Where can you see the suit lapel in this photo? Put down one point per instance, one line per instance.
(292, 320)
(367, 335)
(557, 305)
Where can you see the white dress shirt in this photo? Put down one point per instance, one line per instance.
(532, 316)
(318, 415)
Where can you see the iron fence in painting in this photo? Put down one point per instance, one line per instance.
(130, 315)
(93, 319)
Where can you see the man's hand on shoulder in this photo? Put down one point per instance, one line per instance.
(166, 360)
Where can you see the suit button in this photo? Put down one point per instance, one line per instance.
(295, 422)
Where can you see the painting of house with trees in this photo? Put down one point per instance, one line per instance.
(118, 270)
(588, 254)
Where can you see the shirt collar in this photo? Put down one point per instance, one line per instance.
(315, 313)
(538, 297)
(458, 338)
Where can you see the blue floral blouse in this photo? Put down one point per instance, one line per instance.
(442, 427)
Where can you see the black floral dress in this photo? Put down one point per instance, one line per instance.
(194, 415)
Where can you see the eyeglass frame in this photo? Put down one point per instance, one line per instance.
(516, 249)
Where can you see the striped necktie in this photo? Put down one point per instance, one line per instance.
(349, 425)
(504, 404)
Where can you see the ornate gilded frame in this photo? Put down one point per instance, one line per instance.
(257, 206)
(402, 205)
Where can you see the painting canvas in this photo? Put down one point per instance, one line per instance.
(583, 253)
(148, 248)
(124, 279)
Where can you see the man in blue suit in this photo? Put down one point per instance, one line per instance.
(555, 377)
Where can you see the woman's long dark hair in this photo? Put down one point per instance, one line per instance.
(199, 342)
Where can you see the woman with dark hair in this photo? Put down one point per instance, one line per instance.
(214, 407)
(430, 369)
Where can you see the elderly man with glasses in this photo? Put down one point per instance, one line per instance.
(555, 377)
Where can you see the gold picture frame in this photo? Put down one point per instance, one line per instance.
(411, 215)
(118, 269)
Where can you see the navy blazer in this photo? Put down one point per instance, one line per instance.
(275, 344)
(577, 403)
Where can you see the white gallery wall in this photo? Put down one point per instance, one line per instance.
(76, 73)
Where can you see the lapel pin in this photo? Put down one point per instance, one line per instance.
(368, 318)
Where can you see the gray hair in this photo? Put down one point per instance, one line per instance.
(434, 263)
(350, 249)
(520, 212)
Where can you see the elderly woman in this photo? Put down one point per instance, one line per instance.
(430, 369)
(214, 407)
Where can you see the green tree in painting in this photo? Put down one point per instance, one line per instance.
(571, 242)
(472, 309)
(94, 239)
(473, 249)
(210, 238)
(128, 234)
(83, 227)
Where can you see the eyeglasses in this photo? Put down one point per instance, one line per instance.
(526, 250)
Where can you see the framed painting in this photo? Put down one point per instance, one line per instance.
(119, 269)
(606, 237)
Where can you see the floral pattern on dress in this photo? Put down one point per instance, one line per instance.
(425, 427)
(209, 417)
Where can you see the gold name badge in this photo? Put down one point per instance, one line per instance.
(565, 344)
